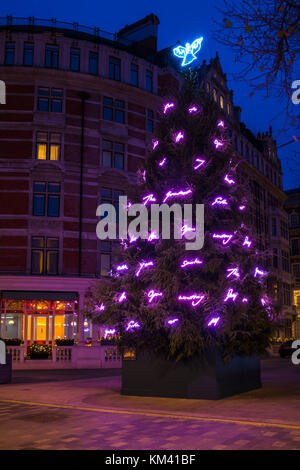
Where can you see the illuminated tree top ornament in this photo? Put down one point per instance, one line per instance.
(188, 52)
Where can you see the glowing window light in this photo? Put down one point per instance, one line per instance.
(168, 106)
(195, 299)
(132, 324)
(142, 266)
(218, 143)
(162, 162)
(231, 295)
(247, 242)
(176, 194)
(226, 237)
(233, 272)
(188, 52)
(179, 136)
(214, 321)
(153, 295)
(149, 198)
(192, 262)
(199, 162)
(122, 297)
(220, 201)
(86, 323)
(228, 180)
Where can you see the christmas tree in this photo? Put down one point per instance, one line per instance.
(175, 301)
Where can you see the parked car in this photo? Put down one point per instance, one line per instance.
(286, 349)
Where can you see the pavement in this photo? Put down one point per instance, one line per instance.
(83, 409)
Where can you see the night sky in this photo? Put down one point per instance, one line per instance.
(179, 21)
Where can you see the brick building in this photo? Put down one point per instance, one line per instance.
(79, 114)
(292, 206)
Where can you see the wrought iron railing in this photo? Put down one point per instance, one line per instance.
(54, 23)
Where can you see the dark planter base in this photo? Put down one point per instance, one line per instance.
(204, 377)
(5, 370)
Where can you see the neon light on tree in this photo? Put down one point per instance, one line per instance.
(180, 300)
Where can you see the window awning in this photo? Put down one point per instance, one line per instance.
(38, 295)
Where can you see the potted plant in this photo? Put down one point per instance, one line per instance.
(39, 351)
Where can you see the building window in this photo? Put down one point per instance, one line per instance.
(134, 75)
(115, 68)
(149, 81)
(286, 294)
(113, 110)
(228, 109)
(295, 246)
(51, 57)
(75, 59)
(284, 230)
(113, 155)
(93, 63)
(46, 199)
(150, 120)
(105, 257)
(285, 261)
(274, 226)
(208, 87)
(44, 255)
(9, 53)
(50, 99)
(296, 270)
(294, 220)
(28, 54)
(215, 95)
(221, 102)
(48, 146)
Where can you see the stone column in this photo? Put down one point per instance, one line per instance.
(80, 319)
(95, 329)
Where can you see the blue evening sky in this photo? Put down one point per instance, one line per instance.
(179, 21)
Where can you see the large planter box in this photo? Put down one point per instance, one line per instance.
(5, 370)
(204, 377)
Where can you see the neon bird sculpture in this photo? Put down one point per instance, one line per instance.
(188, 52)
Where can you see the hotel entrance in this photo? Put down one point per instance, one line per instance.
(38, 321)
